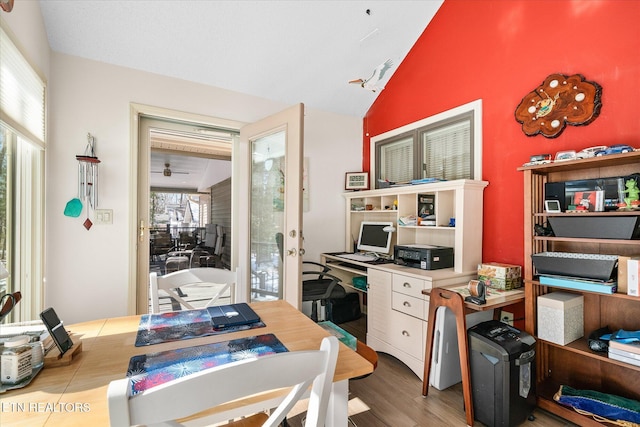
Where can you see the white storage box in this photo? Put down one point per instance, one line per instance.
(560, 317)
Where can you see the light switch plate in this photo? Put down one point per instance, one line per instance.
(104, 216)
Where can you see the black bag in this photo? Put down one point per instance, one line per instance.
(345, 309)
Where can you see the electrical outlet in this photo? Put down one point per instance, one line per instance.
(506, 317)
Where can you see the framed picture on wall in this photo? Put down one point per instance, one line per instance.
(357, 181)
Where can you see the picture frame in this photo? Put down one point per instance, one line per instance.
(357, 181)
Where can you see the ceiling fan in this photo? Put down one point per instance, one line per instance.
(168, 172)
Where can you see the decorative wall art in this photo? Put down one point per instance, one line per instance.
(88, 178)
(558, 101)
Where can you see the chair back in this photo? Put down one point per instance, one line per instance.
(191, 276)
(212, 387)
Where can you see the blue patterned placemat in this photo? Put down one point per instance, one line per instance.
(150, 370)
(181, 325)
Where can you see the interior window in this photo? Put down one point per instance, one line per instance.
(446, 146)
(447, 149)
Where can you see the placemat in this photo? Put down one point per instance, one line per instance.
(181, 325)
(149, 370)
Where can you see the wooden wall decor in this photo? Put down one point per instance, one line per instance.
(558, 101)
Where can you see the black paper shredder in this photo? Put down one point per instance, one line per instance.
(502, 360)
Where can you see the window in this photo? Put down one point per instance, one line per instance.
(22, 142)
(447, 146)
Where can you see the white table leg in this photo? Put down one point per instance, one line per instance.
(338, 413)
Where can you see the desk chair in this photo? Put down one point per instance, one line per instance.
(170, 283)
(197, 392)
(317, 285)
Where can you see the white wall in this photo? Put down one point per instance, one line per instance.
(87, 271)
(26, 24)
(333, 148)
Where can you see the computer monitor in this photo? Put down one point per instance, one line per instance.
(374, 238)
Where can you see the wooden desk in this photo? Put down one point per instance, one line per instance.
(452, 298)
(76, 395)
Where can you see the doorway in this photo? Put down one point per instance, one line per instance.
(181, 161)
(291, 122)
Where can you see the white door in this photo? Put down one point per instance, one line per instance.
(269, 208)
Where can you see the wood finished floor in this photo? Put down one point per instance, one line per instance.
(393, 395)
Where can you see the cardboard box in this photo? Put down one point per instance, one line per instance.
(560, 317)
(622, 272)
(500, 276)
(633, 279)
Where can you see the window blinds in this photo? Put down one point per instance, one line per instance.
(396, 160)
(447, 151)
(22, 93)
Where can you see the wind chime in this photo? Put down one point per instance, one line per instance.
(88, 178)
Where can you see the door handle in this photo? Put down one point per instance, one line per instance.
(141, 230)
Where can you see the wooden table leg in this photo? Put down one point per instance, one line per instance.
(453, 301)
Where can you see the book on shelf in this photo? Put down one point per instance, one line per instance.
(631, 347)
(624, 356)
(608, 287)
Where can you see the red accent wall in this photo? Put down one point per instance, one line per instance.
(498, 51)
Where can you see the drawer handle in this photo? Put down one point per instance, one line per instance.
(406, 304)
(406, 284)
(405, 333)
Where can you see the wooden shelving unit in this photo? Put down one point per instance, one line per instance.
(575, 364)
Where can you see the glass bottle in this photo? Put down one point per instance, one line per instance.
(15, 360)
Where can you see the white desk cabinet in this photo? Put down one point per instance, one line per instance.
(396, 307)
(460, 199)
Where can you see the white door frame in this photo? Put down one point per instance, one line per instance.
(139, 188)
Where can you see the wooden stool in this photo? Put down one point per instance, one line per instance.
(453, 300)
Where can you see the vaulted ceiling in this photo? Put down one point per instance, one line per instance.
(287, 51)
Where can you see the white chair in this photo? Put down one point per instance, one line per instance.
(170, 283)
(209, 388)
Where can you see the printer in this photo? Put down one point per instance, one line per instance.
(425, 257)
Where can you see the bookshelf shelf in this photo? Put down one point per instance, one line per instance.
(575, 364)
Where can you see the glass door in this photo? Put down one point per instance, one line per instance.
(273, 245)
(267, 226)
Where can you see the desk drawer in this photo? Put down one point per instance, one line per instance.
(407, 334)
(408, 285)
(416, 307)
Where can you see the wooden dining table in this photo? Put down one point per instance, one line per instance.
(76, 394)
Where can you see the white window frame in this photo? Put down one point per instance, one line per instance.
(473, 107)
(23, 93)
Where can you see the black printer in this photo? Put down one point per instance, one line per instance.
(425, 257)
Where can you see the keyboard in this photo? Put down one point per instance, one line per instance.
(358, 257)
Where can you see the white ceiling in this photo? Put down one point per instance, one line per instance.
(286, 51)
(188, 172)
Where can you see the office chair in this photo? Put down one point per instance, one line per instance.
(320, 286)
(194, 393)
(317, 285)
